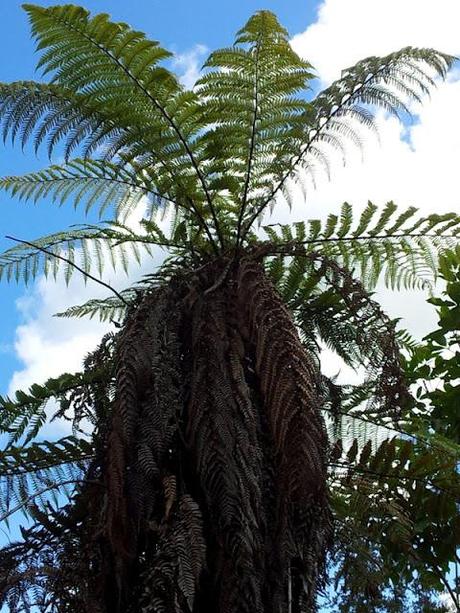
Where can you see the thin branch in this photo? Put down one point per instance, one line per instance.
(443, 579)
(67, 261)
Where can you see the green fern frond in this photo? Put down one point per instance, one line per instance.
(56, 115)
(402, 248)
(44, 455)
(29, 474)
(386, 82)
(339, 113)
(91, 183)
(252, 107)
(160, 121)
(88, 247)
(105, 309)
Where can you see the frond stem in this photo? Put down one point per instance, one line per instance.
(446, 584)
(251, 146)
(205, 226)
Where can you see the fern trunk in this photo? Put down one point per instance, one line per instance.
(212, 462)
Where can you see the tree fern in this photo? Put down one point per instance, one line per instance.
(200, 472)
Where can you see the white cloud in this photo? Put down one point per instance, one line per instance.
(346, 32)
(188, 65)
(48, 346)
(448, 602)
(415, 164)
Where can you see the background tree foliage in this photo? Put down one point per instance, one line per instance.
(212, 467)
(414, 562)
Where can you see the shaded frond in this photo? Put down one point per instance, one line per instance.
(23, 416)
(346, 318)
(30, 474)
(382, 497)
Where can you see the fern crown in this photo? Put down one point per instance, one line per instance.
(219, 155)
